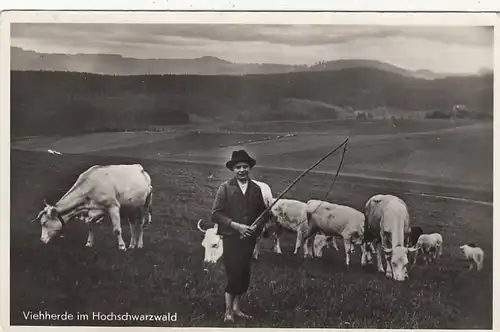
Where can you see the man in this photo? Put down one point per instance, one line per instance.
(237, 205)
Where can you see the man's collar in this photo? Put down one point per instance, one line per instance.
(234, 181)
(243, 183)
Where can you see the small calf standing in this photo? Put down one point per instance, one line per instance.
(431, 246)
(473, 254)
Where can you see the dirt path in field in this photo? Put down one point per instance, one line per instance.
(452, 198)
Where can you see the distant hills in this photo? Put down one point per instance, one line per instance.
(108, 64)
(44, 102)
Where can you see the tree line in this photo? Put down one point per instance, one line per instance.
(68, 103)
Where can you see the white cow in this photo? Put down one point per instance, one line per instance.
(335, 220)
(119, 191)
(430, 245)
(474, 254)
(212, 242)
(388, 216)
(291, 215)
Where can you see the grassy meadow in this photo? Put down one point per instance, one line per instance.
(168, 274)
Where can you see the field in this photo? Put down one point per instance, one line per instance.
(168, 275)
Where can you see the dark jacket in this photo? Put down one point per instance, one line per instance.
(231, 205)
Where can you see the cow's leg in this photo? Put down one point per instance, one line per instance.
(298, 241)
(347, 246)
(114, 214)
(276, 240)
(307, 241)
(387, 256)
(427, 257)
(380, 265)
(133, 231)
(90, 237)
(334, 243)
(365, 254)
(139, 225)
(140, 239)
(256, 249)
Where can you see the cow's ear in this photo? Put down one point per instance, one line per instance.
(52, 213)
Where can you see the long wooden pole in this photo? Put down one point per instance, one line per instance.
(259, 220)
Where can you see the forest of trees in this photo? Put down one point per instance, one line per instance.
(69, 103)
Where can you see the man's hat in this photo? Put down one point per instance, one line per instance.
(240, 156)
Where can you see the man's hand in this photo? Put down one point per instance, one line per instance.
(244, 230)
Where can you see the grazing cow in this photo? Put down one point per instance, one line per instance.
(321, 241)
(474, 254)
(388, 216)
(335, 220)
(119, 191)
(291, 215)
(212, 242)
(430, 245)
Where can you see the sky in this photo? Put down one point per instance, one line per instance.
(440, 49)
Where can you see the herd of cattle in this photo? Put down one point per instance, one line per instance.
(126, 192)
(383, 227)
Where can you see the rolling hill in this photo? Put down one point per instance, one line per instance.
(111, 64)
(61, 102)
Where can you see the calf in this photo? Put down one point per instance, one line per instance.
(473, 254)
(430, 245)
(335, 220)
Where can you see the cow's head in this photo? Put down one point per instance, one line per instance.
(399, 262)
(357, 237)
(320, 241)
(212, 242)
(51, 221)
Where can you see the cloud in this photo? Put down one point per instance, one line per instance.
(441, 49)
(276, 34)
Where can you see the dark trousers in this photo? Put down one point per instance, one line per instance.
(237, 258)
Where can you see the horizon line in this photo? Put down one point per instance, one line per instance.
(265, 63)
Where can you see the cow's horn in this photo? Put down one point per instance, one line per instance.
(37, 217)
(199, 226)
(412, 249)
